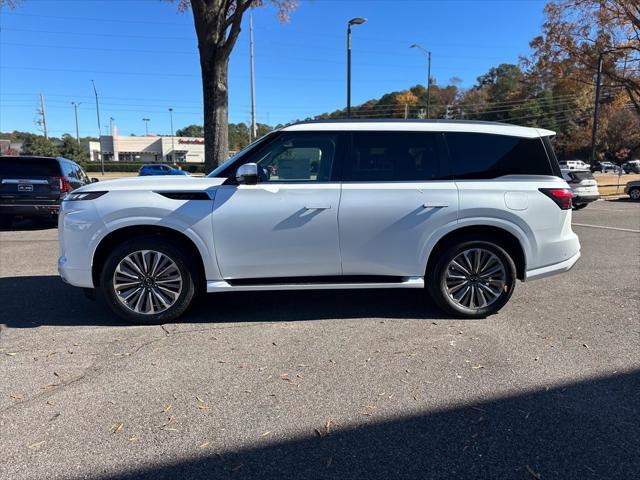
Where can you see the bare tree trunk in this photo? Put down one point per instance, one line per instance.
(216, 109)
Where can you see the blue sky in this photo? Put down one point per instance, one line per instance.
(142, 55)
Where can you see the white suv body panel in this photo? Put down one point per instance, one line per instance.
(324, 229)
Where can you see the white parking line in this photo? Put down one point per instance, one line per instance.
(605, 228)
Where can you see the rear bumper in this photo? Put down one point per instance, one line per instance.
(31, 210)
(580, 199)
(549, 270)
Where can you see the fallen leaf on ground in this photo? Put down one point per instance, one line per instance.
(203, 445)
(327, 426)
(199, 399)
(10, 354)
(117, 427)
(477, 366)
(532, 473)
(133, 439)
(265, 433)
(50, 402)
(167, 408)
(37, 445)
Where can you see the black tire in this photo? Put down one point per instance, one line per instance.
(634, 193)
(580, 206)
(437, 279)
(156, 244)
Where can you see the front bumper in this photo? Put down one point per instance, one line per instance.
(74, 276)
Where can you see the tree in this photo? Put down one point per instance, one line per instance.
(70, 149)
(190, 131)
(38, 145)
(577, 32)
(218, 24)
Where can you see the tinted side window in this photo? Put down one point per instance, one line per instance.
(478, 155)
(393, 156)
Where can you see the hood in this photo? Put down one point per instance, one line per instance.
(172, 182)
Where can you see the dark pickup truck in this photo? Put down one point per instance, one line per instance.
(34, 186)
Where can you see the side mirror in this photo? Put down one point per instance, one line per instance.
(94, 179)
(247, 174)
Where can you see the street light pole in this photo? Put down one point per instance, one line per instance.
(75, 109)
(596, 111)
(99, 129)
(428, 54)
(353, 21)
(146, 126)
(173, 146)
(254, 126)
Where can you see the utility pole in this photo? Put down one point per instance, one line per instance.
(43, 115)
(254, 127)
(99, 129)
(146, 126)
(596, 110)
(428, 54)
(173, 146)
(75, 109)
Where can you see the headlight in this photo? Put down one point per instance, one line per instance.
(71, 197)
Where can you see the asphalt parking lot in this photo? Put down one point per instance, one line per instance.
(362, 384)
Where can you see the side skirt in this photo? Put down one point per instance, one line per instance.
(292, 284)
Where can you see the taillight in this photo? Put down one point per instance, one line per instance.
(561, 196)
(63, 184)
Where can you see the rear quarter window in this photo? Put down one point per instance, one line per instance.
(485, 156)
(28, 167)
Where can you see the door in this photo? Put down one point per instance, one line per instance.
(396, 192)
(287, 224)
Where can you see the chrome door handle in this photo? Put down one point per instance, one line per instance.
(317, 207)
(433, 205)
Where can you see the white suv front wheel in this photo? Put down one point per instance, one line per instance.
(472, 279)
(148, 280)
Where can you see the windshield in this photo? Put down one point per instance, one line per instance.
(221, 168)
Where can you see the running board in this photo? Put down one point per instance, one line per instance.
(223, 286)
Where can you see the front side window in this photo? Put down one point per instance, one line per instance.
(479, 155)
(393, 157)
(297, 157)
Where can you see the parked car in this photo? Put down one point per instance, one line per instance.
(574, 165)
(604, 167)
(160, 169)
(34, 186)
(632, 166)
(583, 186)
(633, 190)
(461, 208)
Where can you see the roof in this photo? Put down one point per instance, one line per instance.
(394, 125)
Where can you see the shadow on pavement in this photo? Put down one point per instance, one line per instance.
(34, 301)
(586, 430)
(27, 224)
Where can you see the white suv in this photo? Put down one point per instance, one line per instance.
(461, 208)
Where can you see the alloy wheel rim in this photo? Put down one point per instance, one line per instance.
(475, 278)
(147, 282)
(635, 194)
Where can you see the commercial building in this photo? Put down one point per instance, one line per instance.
(148, 149)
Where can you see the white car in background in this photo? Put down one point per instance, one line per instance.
(574, 165)
(583, 186)
(459, 209)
